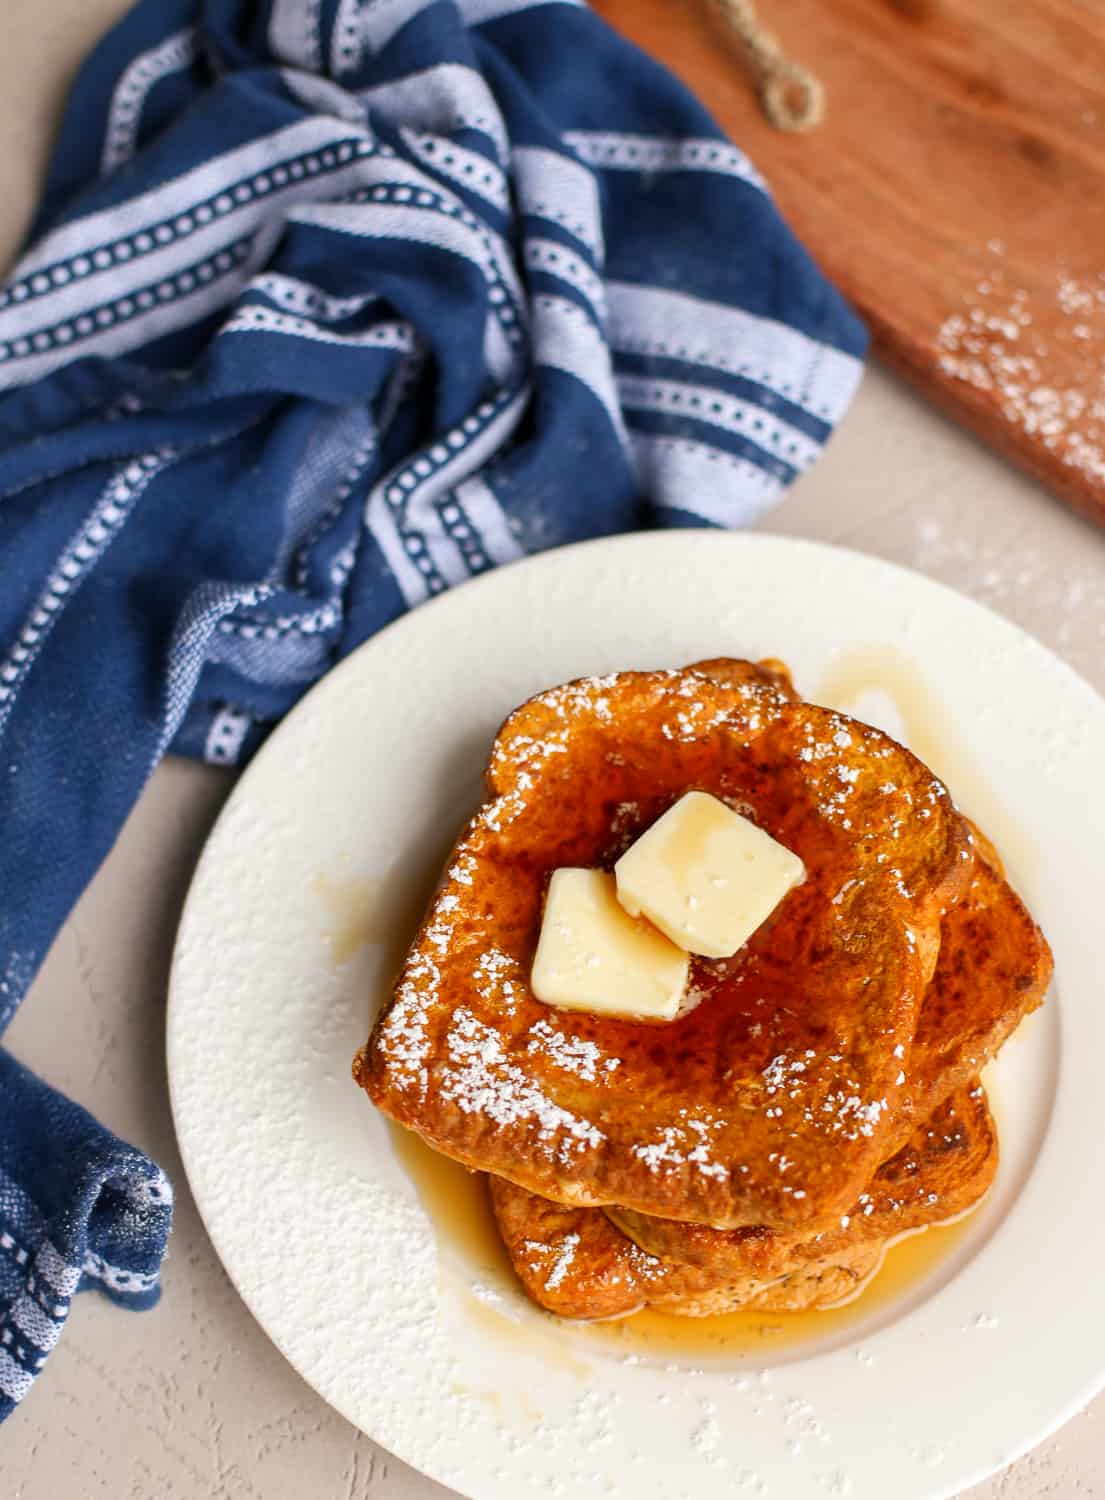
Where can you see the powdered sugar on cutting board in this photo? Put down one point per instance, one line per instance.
(1046, 371)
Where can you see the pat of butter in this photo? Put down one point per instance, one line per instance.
(705, 876)
(592, 956)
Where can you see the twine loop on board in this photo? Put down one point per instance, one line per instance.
(791, 96)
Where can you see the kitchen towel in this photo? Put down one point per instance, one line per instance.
(328, 306)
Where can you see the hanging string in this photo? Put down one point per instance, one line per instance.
(792, 98)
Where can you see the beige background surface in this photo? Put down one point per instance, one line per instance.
(191, 1401)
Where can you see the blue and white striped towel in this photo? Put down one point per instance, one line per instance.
(329, 305)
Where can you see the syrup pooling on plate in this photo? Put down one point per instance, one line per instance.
(577, 776)
(928, 729)
(456, 1204)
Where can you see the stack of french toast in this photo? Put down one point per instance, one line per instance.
(813, 1096)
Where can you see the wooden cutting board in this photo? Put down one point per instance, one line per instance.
(955, 192)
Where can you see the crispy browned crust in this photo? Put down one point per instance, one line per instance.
(993, 969)
(578, 1262)
(793, 1049)
(575, 1263)
(947, 1164)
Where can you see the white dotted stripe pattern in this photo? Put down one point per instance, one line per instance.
(812, 376)
(33, 1323)
(294, 34)
(49, 1300)
(127, 405)
(293, 295)
(421, 482)
(555, 259)
(124, 320)
(441, 99)
(721, 488)
(267, 320)
(131, 309)
(554, 187)
(167, 315)
(702, 403)
(286, 156)
(225, 737)
(619, 151)
(207, 604)
(363, 455)
(390, 179)
(124, 120)
(451, 521)
(346, 42)
(118, 1279)
(343, 565)
(481, 510)
(468, 169)
(414, 215)
(96, 533)
(565, 338)
(312, 622)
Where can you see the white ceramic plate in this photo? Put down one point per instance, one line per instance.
(304, 898)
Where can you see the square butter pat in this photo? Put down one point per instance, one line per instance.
(592, 956)
(706, 876)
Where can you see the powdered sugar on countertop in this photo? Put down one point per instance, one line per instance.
(1007, 568)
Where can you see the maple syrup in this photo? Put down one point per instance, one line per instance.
(353, 907)
(458, 1207)
(927, 729)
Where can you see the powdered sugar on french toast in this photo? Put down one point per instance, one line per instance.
(499, 978)
(483, 1081)
(679, 1146)
(573, 1054)
(403, 1036)
(566, 1253)
(843, 1111)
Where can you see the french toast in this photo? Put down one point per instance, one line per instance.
(993, 969)
(798, 1048)
(578, 1262)
(942, 1170)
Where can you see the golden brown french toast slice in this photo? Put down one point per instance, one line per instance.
(798, 1046)
(994, 967)
(941, 1171)
(578, 1263)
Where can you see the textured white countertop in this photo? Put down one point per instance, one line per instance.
(191, 1401)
